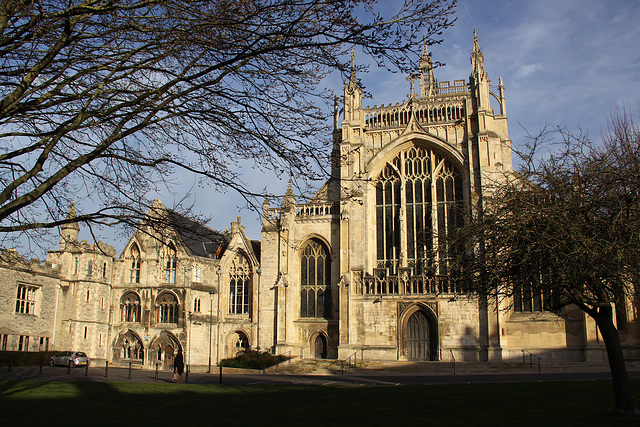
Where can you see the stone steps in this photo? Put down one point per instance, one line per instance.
(324, 366)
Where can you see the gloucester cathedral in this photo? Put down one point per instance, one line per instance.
(357, 268)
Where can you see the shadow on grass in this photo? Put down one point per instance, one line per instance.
(125, 403)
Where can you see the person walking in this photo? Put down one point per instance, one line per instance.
(178, 365)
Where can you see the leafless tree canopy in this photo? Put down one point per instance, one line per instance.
(566, 229)
(102, 100)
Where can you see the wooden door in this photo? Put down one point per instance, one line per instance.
(418, 337)
(320, 347)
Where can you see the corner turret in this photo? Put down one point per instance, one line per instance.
(69, 232)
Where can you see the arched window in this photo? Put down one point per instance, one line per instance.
(132, 348)
(130, 307)
(418, 198)
(134, 266)
(172, 263)
(315, 293)
(167, 308)
(240, 285)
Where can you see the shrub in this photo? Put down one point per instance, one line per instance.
(253, 360)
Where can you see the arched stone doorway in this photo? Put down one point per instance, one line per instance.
(419, 334)
(165, 348)
(319, 345)
(418, 337)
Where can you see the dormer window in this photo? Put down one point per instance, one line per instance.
(172, 263)
(134, 270)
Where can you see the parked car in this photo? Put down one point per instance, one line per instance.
(66, 358)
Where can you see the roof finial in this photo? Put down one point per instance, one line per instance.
(425, 51)
(353, 81)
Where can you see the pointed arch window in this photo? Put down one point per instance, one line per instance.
(315, 293)
(132, 348)
(419, 195)
(171, 265)
(167, 308)
(130, 307)
(134, 265)
(240, 285)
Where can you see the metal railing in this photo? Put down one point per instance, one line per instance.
(351, 361)
(453, 361)
(531, 356)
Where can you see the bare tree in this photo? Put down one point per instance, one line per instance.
(103, 100)
(567, 229)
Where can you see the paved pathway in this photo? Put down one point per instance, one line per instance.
(97, 374)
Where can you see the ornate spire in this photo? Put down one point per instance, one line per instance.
(427, 79)
(477, 58)
(353, 81)
(289, 198)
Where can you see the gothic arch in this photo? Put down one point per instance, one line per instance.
(167, 306)
(237, 342)
(128, 347)
(319, 344)
(406, 320)
(404, 142)
(163, 348)
(130, 306)
(313, 236)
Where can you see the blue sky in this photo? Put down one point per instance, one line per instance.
(562, 62)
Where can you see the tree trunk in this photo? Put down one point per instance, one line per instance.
(625, 405)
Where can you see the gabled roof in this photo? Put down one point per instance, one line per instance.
(199, 239)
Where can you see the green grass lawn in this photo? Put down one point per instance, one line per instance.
(123, 404)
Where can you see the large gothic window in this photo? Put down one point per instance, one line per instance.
(130, 307)
(167, 308)
(134, 266)
(240, 285)
(315, 275)
(418, 198)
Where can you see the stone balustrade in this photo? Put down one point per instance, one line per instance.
(398, 116)
(405, 285)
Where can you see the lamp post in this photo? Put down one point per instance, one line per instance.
(257, 308)
(211, 293)
(219, 273)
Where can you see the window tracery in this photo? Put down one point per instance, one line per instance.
(130, 307)
(240, 285)
(315, 281)
(167, 308)
(134, 269)
(171, 265)
(132, 349)
(418, 198)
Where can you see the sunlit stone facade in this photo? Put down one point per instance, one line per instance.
(358, 268)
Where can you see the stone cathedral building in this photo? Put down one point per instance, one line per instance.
(355, 269)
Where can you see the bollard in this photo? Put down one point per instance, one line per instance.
(186, 374)
(106, 369)
(156, 377)
(86, 370)
(9, 364)
(220, 374)
(129, 377)
(41, 365)
(69, 367)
